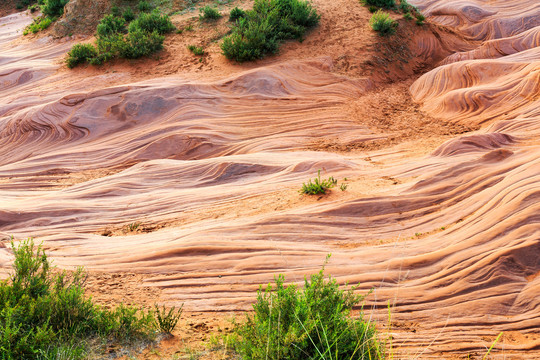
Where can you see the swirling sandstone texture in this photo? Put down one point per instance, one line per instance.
(210, 172)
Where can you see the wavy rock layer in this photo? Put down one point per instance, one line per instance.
(211, 172)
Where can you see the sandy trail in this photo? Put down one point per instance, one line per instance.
(445, 226)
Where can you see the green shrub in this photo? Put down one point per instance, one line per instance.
(236, 14)
(115, 11)
(263, 28)
(53, 8)
(420, 19)
(128, 15)
(309, 323)
(153, 21)
(80, 53)
(196, 50)
(110, 25)
(388, 4)
(382, 23)
(250, 41)
(37, 25)
(144, 6)
(405, 6)
(373, 9)
(47, 316)
(139, 43)
(209, 13)
(318, 186)
(167, 320)
(21, 4)
(407, 16)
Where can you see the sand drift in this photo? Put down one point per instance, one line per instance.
(212, 171)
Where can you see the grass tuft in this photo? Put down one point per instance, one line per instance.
(318, 186)
(312, 322)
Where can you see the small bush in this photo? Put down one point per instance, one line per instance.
(250, 41)
(196, 50)
(318, 186)
(110, 24)
(262, 29)
(115, 11)
(150, 22)
(140, 43)
(39, 24)
(405, 6)
(387, 4)
(43, 315)
(308, 323)
(236, 14)
(80, 53)
(128, 15)
(144, 6)
(382, 23)
(373, 9)
(420, 19)
(209, 13)
(53, 8)
(167, 320)
(408, 16)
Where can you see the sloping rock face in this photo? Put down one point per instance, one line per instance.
(81, 17)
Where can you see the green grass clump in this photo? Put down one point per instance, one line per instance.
(111, 24)
(312, 322)
(420, 19)
(119, 38)
(167, 320)
(387, 4)
(150, 22)
(144, 6)
(37, 25)
(53, 8)
(139, 43)
(196, 50)
(45, 314)
(382, 23)
(209, 13)
(80, 53)
(318, 186)
(270, 22)
(236, 14)
(128, 15)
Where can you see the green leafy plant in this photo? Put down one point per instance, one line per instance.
(408, 16)
(373, 9)
(153, 21)
(387, 4)
(382, 23)
(167, 320)
(318, 186)
(343, 187)
(312, 322)
(139, 43)
(236, 14)
(269, 23)
(196, 50)
(111, 24)
(44, 314)
(128, 15)
(144, 6)
(420, 19)
(209, 13)
(53, 8)
(40, 23)
(80, 53)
